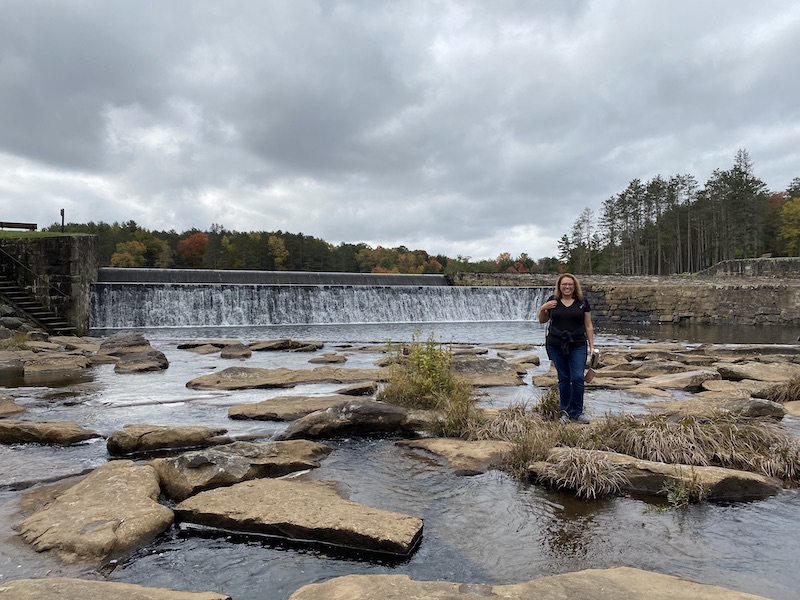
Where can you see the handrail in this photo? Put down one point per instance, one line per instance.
(35, 275)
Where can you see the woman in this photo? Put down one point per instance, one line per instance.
(568, 334)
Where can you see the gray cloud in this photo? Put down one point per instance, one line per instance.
(456, 127)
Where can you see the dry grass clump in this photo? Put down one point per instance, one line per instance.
(17, 339)
(785, 392)
(586, 473)
(724, 440)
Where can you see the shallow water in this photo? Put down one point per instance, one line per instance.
(487, 528)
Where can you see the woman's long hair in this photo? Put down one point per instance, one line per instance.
(578, 293)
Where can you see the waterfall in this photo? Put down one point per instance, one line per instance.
(117, 305)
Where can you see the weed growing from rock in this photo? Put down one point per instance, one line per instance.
(784, 392)
(422, 376)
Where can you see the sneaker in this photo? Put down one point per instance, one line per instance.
(564, 417)
(581, 418)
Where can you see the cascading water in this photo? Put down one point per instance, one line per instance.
(126, 305)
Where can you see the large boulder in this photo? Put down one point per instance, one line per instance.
(59, 433)
(302, 511)
(192, 472)
(465, 457)
(355, 417)
(140, 362)
(122, 342)
(241, 378)
(654, 478)
(620, 583)
(65, 588)
(108, 514)
(286, 408)
(146, 438)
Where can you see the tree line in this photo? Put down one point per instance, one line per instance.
(658, 227)
(668, 226)
(129, 245)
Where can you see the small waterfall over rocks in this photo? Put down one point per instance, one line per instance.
(117, 304)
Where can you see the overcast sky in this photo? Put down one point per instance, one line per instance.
(461, 127)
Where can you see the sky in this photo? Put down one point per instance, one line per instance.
(460, 127)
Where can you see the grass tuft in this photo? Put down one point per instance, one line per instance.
(586, 473)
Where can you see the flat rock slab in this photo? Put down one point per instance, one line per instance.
(486, 372)
(286, 408)
(53, 362)
(146, 438)
(108, 514)
(621, 583)
(285, 344)
(311, 511)
(772, 372)
(653, 478)
(745, 407)
(689, 381)
(64, 588)
(59, 433)
(354, 417)
(242, 378)
(466, 457)
(192, 472)
(141, 362)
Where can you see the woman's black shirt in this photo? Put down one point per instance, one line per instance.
(567, 323)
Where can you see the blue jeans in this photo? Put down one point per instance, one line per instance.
(569, 367)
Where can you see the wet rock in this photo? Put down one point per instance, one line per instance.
(302, 511)
(236, 351)
(465, 457)
(109, 514)
(486, 372)
(512, 346)
(218, 344)
(286, 344)
(146, 438)
(9, 407)
(123, 342)
(749, 408)
(620, 583)
(51, 362)
(64, 588)
(367, 388)
(329, 358)
(285, 408)
(201, 470)
(58, 433)
(240, 378)
(140, 362)
(352, 418)
(654, 478)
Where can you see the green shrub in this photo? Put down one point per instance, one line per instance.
(422, 376)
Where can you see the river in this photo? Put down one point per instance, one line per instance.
(488, 528)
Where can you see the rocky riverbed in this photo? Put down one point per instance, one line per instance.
(251, 470)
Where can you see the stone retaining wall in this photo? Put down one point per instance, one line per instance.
(57, 270)
(692, 300)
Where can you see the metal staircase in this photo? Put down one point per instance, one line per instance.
(26, 305)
